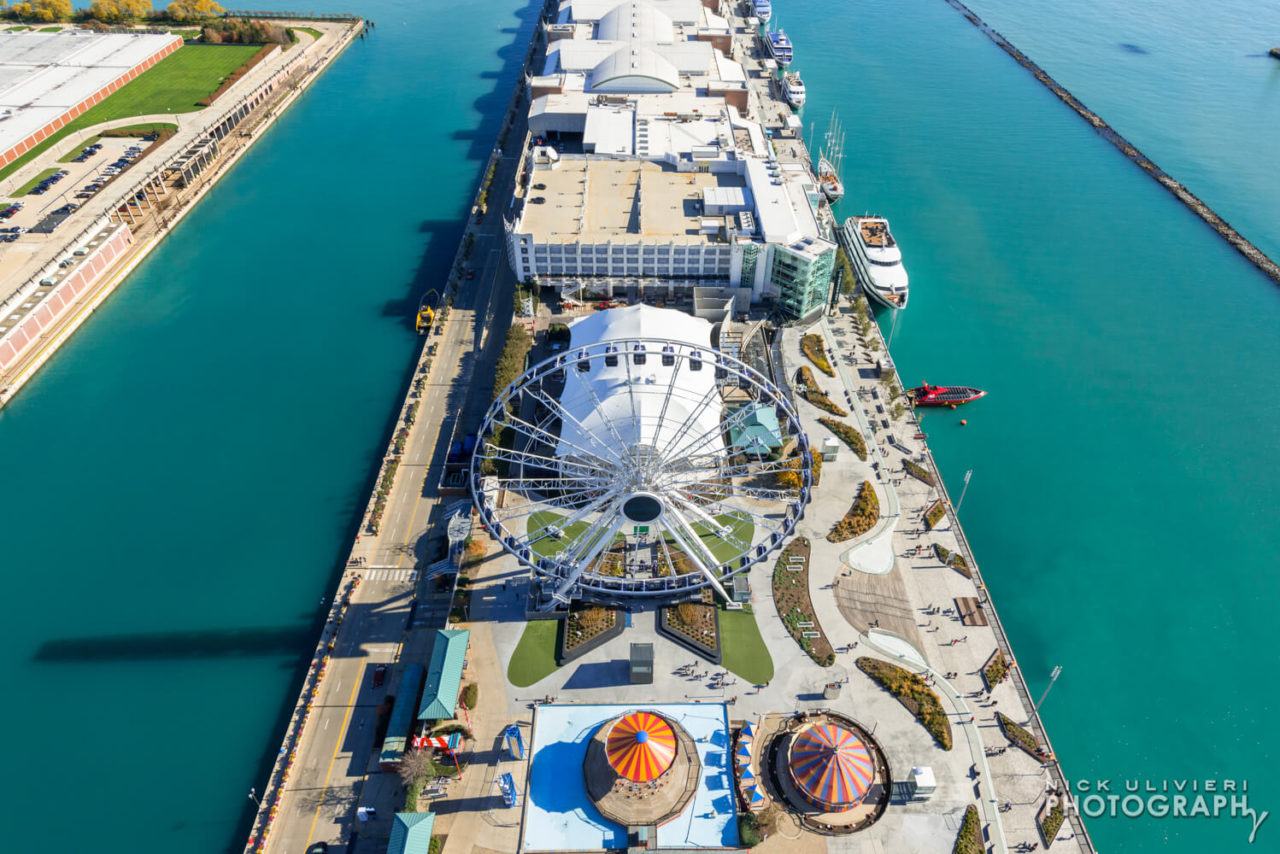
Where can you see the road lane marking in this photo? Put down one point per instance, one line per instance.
(337, 747)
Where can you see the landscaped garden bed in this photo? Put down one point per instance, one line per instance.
(1050, 819)
(861, 517)
(789, 477)
(996, 670)
(586, 627)
(694, 625)
(969, 839)
(1019, 736)
(919, 472)
(934, 516)
(811, 346)
(955, 560)
(848, 434)
(912, 692)
(808, 388)
(791, 597)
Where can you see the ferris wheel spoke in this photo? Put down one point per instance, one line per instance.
(672, 445)
(511, 455)
(707, 489)
(722, 427)
(557, 408)
(721, 530)
(533, 431)
(556, 529)
(696, 551)
(580, 564)
(623, 446)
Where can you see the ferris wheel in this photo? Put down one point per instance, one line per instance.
(640, 467)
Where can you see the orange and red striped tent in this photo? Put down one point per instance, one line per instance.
(640, 746)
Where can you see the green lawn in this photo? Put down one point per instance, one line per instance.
(311, 31)
(31, 185)
(745, 653)
(51, 29)
(741, 529)
(173, 85)
(535, 655)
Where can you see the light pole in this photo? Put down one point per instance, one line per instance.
(968, 474)
(1053, 677)
(253, 796)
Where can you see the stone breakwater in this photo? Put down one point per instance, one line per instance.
(1193, 202)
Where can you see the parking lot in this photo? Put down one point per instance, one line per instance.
(96, 169)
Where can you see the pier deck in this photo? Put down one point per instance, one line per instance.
(332, 768)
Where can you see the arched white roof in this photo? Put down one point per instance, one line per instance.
(634, 69)
(635, 21)
(666, 408)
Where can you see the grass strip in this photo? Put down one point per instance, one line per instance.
(534, 658)
(744, 649)
(31, 185)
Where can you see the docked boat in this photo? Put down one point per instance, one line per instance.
(944, 395)
(830, 161)
(876, 259)
(793, 89)
(779, 47)
(763, 10)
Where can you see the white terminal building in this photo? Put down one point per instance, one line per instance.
(48, 79)
(654, 179)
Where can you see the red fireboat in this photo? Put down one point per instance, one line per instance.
(944, 395)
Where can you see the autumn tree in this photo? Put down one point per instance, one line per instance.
(113, 11)
(50, 10)
(193, 10)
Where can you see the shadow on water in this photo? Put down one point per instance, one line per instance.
(155, 646)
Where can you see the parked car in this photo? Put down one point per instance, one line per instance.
(379, 675)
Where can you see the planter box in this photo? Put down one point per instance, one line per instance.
(564, 656)
(715, 655)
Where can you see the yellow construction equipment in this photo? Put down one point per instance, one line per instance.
(427, 312)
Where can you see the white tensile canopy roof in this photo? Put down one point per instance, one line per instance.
(667, 409)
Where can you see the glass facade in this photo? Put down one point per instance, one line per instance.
(803, 279)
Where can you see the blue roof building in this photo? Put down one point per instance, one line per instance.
(757, 432)
(444, 675)
(411, 833)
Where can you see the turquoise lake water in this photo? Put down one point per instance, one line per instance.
(194, 460)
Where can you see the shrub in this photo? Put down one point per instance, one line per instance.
(996, 670)
(936, 513)
(969, 839)
(807, 388)
(789, 477)
(1052, 822)
(919, 472)
(1018, 735)
(916, 696)
(791, 596)
(470, 693)
(847, 434)
(812, 347)
(860, 518)
(749, 830)
(955, 560)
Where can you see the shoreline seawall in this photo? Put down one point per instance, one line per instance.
(1179, 191)
(258, 110)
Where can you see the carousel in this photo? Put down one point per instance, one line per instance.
(641, 769)
(830, 773)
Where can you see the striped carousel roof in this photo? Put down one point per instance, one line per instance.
(640, 746)
(831, 766)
